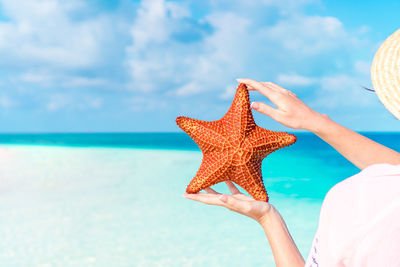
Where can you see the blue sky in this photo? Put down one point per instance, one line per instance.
(117, 66)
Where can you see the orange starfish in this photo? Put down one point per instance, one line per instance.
(233, 147)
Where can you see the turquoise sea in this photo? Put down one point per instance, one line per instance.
(105, 199)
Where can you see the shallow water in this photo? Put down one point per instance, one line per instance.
(105, 206)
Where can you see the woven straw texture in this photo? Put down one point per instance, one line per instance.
(233, 147)
(385, 73)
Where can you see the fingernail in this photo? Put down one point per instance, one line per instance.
(223, 198)
(185, 195)
(239, 79)
(254, 105)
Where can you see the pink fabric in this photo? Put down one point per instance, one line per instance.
(359, 223)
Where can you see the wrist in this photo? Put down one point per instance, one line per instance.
(268, 217)
(318, 124)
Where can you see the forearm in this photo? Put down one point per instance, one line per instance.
(282, 245)
(358, 149)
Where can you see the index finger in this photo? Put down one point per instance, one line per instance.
(266, 91)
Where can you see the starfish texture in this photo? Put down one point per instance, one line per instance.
(233, 147)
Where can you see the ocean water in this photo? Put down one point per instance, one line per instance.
(116, 200)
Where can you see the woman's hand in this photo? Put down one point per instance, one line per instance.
(238, 202)
(291, 112)
(281, 242)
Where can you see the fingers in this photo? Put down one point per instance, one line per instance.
(265, 109)
(210, 199)
(227, 201)
(279, 88)
(213, 199)
(265, 90)
(210, 190)
(233, 203)
(273, 86)
(249, 87)
(232, 187)
(270, 85)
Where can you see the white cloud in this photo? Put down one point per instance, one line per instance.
(162, 49)
(95, 103)
(284, 6)
(343, 91)
(309, 35)
(46, 34)
(156, 58)
(334, 91)
(239, 45)
(229, 92)
(362, 67)
(170, 50)
(89, 103)
(61, 101)
(189, 67)
(155, 22)
(337, 82)
(79, 81)
(340, 90)
(39, 78)
(140, 103)
(220, 59)
(48, 45)
(295, 80)
(47, 79)
(57, 102)
(188, 89)
(6, 102)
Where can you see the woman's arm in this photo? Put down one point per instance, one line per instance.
(293, 113)
(358, 149)
(282, 245)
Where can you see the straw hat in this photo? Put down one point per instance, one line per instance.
(385, 73)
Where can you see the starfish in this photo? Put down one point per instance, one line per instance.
(233, 147)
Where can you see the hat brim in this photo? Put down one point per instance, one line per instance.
(385, 73)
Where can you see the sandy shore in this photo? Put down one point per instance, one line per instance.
(64, 206)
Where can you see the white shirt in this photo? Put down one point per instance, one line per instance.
(359, 222)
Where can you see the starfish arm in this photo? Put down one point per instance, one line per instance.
(249, 177)
(213, 169)
(233, 147)
(206, 134)
(239, 115)
(265, 141)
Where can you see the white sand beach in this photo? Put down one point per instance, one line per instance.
(70, 206)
